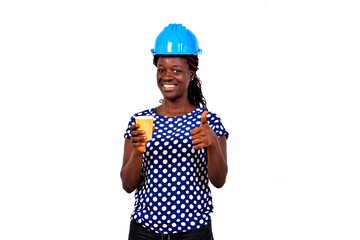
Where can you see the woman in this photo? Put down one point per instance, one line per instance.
(171, 176)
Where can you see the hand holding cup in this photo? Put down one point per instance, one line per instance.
(141, 132)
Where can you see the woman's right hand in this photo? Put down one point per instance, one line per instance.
(138, 141)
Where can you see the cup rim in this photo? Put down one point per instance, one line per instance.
(144, 117)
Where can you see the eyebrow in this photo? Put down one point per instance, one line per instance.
(160, 65)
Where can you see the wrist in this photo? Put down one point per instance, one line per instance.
(214, 141)
(138, 151)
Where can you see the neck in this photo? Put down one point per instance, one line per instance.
(174, 108)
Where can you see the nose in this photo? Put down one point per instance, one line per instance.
(167, 76)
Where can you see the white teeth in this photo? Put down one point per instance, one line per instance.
(169, 86)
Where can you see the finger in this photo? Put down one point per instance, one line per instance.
(201, 134)
(137, 133)
(197, 141)
(195, 137)
(139, 144)
(199, 146)
(203, 117)
(195, 131)
(134, 127)
(138, 139)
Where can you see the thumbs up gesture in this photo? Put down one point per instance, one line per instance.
(203, 136)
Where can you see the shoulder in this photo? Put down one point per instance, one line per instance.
(210, 116)
(215, 123)
(147, 112)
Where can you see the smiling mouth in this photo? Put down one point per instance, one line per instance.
(168, 86)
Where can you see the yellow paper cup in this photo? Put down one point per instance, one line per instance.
(146, 124)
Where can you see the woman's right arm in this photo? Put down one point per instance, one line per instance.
(131, 169)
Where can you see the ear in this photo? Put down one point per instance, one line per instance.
(192, 74)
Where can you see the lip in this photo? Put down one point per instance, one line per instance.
(168, 86)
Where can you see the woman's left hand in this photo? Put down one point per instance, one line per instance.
(203, 136)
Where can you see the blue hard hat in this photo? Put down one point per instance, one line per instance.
(176, 39)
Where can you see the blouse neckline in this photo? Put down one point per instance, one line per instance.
(153, 110)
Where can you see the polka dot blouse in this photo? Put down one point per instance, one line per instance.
(174, 194)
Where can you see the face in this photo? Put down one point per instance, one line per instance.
(173, 77)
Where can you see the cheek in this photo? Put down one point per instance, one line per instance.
(187, 79)
(158, 79)
(185, 86)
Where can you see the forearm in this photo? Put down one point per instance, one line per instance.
(217, 163)
(131, 172)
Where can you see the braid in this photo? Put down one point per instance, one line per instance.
(195, 95)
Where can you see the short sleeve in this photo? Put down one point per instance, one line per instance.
(132, 121)
(216, 125)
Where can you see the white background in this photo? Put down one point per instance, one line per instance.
(282, 75)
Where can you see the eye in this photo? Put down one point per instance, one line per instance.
(177, 71)
(160, 70)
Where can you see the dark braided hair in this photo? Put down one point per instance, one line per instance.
(195, 95)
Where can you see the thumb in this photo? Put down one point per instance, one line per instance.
(203, 117)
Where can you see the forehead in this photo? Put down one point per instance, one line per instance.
(172, 60)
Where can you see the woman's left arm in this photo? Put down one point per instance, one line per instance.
(204, 136)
